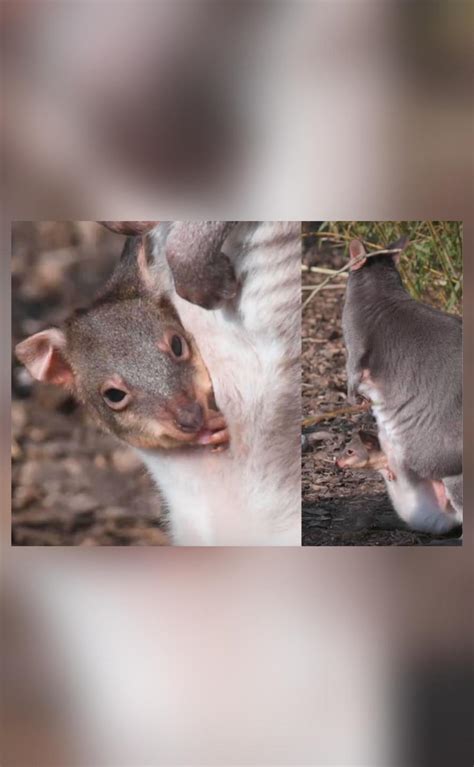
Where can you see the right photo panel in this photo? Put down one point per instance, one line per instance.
(382, 437)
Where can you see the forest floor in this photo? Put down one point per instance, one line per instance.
(71, 483)
(340, 507)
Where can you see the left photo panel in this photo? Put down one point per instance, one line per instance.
(156, 383)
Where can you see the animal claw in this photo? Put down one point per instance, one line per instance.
(215, 432)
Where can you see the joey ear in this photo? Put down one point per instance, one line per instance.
(43, 357)
(357, 250)
(129, 227)
(369, 441)
(134, 263)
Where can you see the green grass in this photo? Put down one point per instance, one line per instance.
(431, 265)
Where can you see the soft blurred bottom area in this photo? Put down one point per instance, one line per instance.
(236, 657)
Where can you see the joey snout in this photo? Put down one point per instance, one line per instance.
(350, 461)
(188, 416)
(198, 421)
(351, 456)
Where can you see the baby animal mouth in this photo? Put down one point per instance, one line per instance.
(186, 428)
(214, 432)
(204, 437)
(199, 427)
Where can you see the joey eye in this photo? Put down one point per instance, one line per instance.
(350, 451)
(116, 398)
(177, 346)
(114, 395)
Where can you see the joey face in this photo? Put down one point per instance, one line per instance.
(353, 456)
(134, 367)
(362, 452)
(129, 360)
(139, 372)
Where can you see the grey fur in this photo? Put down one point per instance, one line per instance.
(202, 273)
(454, 490)
(413, 355)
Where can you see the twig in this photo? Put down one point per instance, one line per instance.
(326, 287)
(318, 270)
(314, 419)
(333, 287)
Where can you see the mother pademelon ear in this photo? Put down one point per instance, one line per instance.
(398, 246)
(43, 356)
(357, 254)
(129, 227)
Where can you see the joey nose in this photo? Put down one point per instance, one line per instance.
(189, 418)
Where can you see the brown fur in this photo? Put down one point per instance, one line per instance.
(124, 340)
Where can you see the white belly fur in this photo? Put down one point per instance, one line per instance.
(416, 503)
(413, 499)
(249, 494)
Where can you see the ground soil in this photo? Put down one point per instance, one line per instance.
(72, 484)
(340, 508)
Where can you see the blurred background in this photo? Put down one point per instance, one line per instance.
(352, 508)
(252, 110)
(239, 107)
(72, 484)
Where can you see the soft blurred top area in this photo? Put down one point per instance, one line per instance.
(237, 110)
